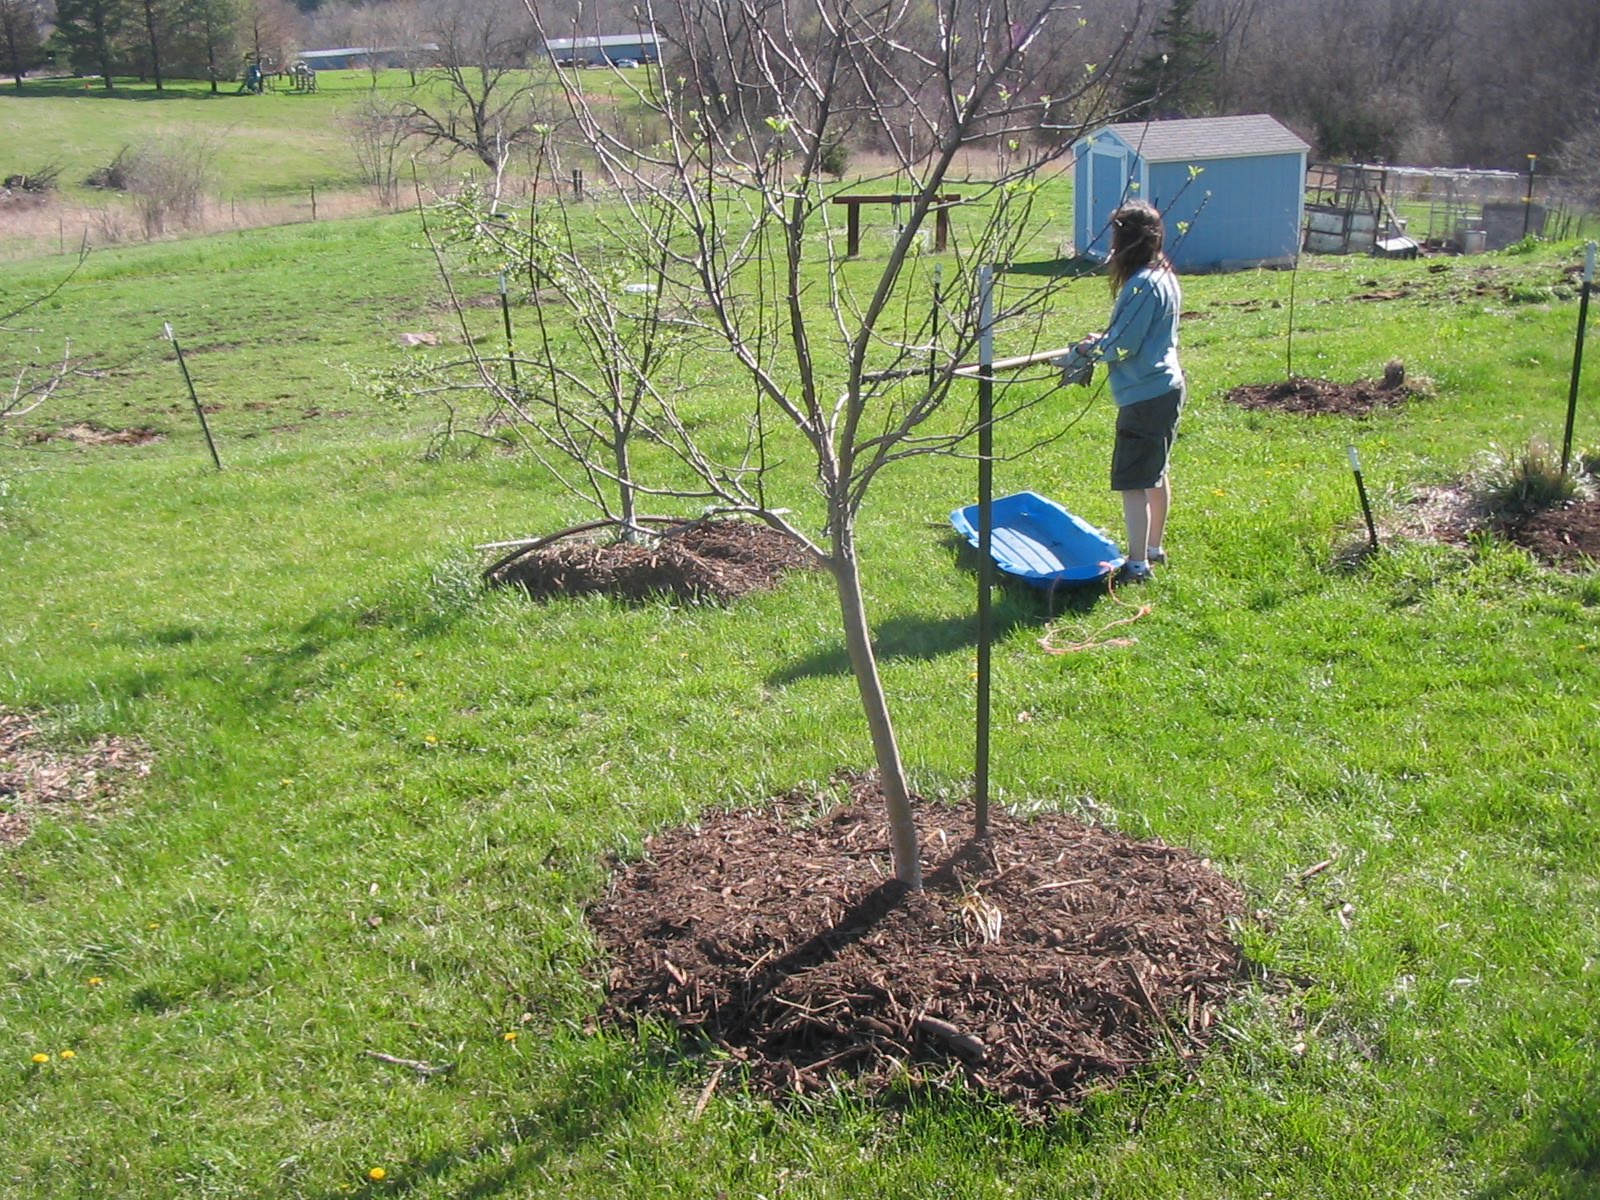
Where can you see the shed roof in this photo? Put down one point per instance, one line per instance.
(1208, 137)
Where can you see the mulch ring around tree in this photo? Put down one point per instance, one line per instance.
(718, 561)
(1049, 959)
(36, 777)
(1323, 396)
(1566, 536)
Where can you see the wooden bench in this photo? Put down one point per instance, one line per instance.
(940, 207)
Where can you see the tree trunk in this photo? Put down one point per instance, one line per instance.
(864, 664)
(150, 26)
(625, 490)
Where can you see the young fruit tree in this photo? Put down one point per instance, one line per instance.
(729, 208)
(29, 380)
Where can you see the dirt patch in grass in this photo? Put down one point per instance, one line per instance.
(1323, 396)
(1038, 964)
(37, 777)
(88, 433)
(714, 560)
(1567, 536)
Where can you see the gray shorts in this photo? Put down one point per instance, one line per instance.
(1144, 441)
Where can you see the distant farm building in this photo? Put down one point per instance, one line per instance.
(354, 58)
(1231, 189)
(601, 51)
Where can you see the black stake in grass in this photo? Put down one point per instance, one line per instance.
(1361, 490)
(1577, 357)
(200, 412)
(511, 345)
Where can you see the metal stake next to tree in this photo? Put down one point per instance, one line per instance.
(1361, 490)
(985, 539)
(1577, 356)
(199, 411)
(1527, 201)
(511, 346)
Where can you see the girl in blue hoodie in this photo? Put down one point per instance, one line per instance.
(1140, 350)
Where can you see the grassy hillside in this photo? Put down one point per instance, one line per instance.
(380, 798)
(279, 142)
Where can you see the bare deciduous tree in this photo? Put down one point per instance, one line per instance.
(268, 30)
(378, 130)
(731, 212)
(482, 58)
(29, 384)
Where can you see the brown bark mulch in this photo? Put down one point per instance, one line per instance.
(1048, 959)
(1323, 396)
(713, 560)
(35, 776)
(1566, 536)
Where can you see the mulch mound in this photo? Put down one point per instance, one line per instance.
(34, 776)
(1322, 396)
(712, 560)
(1046, 960)
(1568, 536)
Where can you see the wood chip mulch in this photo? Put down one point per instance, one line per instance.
(1322, 396)
(718, 561)
(35, 776)
(1049, 959)
(1567, 536)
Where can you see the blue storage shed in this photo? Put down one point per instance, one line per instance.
(1231, 189)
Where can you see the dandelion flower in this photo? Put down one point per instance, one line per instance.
(377, 1173)
(41, 1058)
(66, 1054)
(95, 981)
(509, 1036)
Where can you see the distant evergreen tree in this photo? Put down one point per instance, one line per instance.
(91, 29)
(1178, 77)
(20, 44)
(209, 45)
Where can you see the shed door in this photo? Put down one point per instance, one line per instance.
(1108, 187)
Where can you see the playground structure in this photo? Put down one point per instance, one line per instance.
(254, 79)
(263, 75)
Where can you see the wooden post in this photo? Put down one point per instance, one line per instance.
(853, 226)
(313, 202)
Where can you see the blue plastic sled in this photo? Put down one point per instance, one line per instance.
(1036, 540)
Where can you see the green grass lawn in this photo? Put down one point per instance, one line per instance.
(276, 143)
(380, 798)
(280, 143)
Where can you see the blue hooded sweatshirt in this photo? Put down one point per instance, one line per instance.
(1140, 345)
